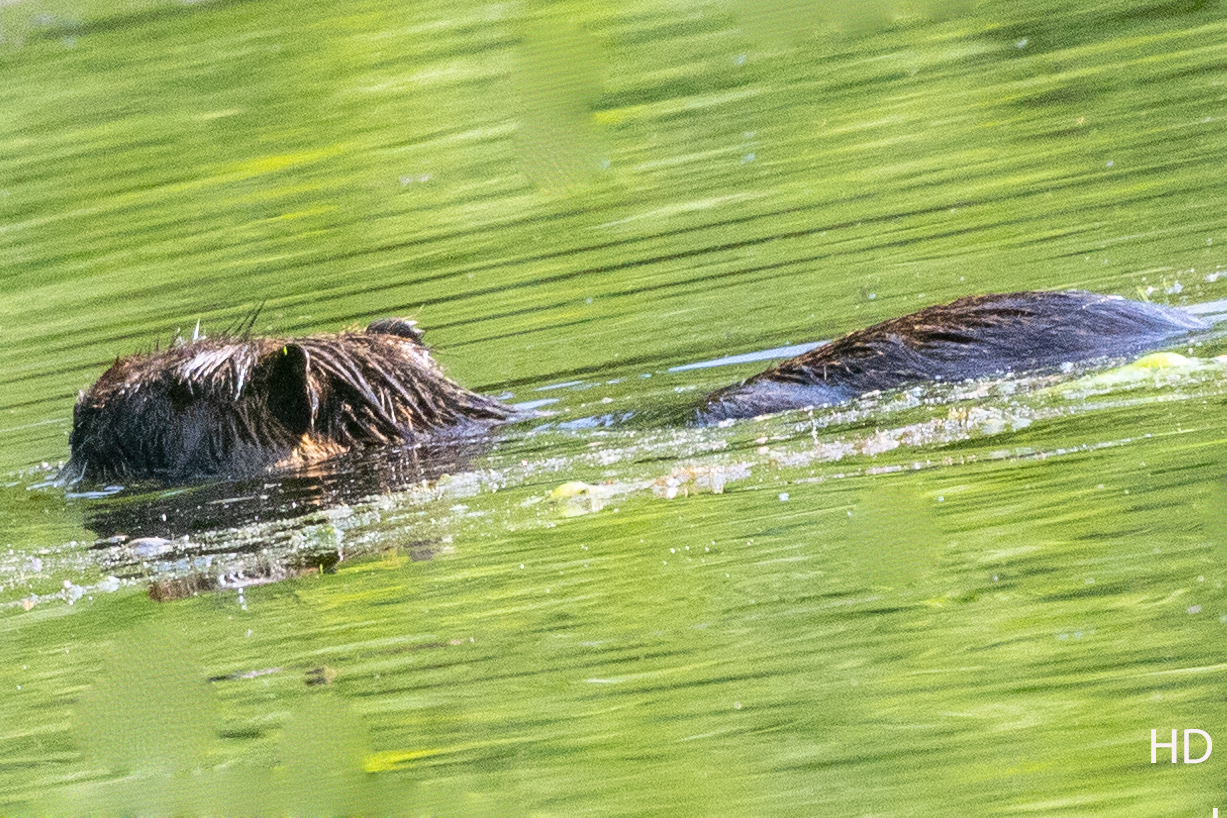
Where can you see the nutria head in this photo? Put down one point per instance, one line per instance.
(241, 405)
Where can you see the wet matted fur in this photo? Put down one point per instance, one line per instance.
(969, 338)
(241, 405)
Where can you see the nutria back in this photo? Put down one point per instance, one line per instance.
(969, 338)
(241, 405)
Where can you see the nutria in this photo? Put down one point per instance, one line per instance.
(239, 405)
(969, 338)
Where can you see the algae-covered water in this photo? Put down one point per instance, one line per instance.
(973, 599)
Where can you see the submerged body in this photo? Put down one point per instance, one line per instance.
(969, 338)
(234, 406)
(240, 405)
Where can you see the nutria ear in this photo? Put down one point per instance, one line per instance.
(400, 327)
(281, 377)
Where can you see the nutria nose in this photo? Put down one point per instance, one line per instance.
(400, 327)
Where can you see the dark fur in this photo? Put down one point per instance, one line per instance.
(969, 338)
(241, 405)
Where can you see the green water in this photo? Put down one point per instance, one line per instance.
(976, 599)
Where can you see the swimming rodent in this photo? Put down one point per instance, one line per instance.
(234, 406)
(241, 405)
(969, 338)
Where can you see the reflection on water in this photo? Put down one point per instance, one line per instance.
(749, 357)
(176, 512)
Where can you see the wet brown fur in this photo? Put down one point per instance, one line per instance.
(968, 338)
(241, 405)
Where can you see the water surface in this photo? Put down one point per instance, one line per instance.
(975, 598)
